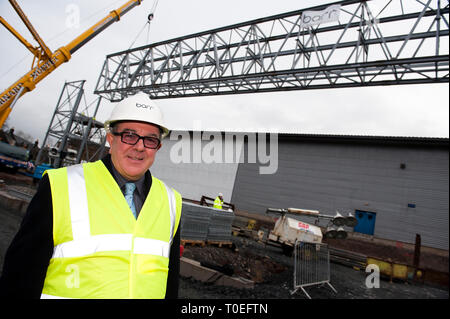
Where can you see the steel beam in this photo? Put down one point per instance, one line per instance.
(73, 125)
(370, 43)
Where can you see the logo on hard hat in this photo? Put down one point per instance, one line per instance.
(145, 106)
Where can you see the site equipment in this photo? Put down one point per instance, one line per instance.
(289, 230)
(39, 171)
(45, 61)
(311, 256)
(14, 157)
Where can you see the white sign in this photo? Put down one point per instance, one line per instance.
(310, 18)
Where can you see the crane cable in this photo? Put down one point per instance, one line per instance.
(147, 24)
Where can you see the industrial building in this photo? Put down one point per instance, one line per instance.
(396, 187)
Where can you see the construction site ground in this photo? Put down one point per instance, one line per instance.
(269, 271)
(272, 273)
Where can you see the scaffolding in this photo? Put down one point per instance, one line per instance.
(79, 137)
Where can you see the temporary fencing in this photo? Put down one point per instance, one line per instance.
(311, 266)
(203, 223)
(220, 224)
(194, 221)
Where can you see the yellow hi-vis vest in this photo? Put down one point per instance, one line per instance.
(218, 203)
(100, 249)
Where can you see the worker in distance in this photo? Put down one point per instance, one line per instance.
(218, 202)
(106, 229)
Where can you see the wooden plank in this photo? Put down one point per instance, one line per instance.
(189, 242)
(220, 243)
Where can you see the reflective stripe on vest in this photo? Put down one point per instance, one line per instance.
(85, 244)
(79, 212)
(173, 210)
(149, 256)
(109, 242)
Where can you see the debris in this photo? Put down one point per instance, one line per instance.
(245, 263)
(193, 269)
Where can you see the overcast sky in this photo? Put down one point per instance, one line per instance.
(412, 110)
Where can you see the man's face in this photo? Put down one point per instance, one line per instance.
(132, 161)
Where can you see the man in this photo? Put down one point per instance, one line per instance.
(34, 151)
(82, 237)
(218, 202)
(11, 138)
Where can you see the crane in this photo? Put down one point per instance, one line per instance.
(45, 61)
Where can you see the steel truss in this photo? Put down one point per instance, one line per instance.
(383, 42)
(78, 135)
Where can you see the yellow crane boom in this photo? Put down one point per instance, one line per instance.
(47, 61)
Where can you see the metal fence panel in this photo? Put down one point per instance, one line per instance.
(205, 223)
(311, 266)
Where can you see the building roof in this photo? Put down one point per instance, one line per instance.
(441, 142)
(367, 139)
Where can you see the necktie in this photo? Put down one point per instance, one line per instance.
(129, 191)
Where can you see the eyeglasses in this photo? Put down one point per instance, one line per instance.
(133, 138)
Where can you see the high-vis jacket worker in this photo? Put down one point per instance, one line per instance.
(218, 202)
(94, 241)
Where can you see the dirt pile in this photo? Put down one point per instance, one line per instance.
(241, 261)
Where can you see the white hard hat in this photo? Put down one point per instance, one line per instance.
(220, 194)
(138, 107)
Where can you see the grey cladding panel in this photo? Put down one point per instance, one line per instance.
(345, 177)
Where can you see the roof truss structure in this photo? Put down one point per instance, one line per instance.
(370, 43)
